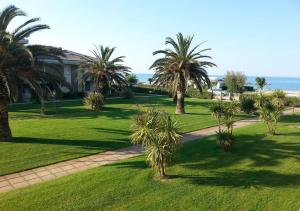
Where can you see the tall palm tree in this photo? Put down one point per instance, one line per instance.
(20, 63)
(180, 65)
(16, 61)
(107, 73)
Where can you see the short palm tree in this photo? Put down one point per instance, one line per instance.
(261, 82)
(217, 110)
(230, 110)
(16, 62)
(179, 66)
(107, 73)
(158, 133)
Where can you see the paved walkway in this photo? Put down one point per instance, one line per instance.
(41, 174)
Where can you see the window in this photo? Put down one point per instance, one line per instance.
(67, 73)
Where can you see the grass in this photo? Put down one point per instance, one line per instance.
(75, 131)
(261, 173)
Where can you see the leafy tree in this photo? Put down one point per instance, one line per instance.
(150, 80)
(107, 74)
(235, 82)
(261, 82)
(17, 62)
(131, 79)
(180, 64)
(158, 133)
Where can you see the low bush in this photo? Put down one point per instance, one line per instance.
(247, 103)
(149, 89)
(292, 101)
(127, 94)
(195, 93)
(94, 101)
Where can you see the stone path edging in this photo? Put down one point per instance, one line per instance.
(53, 171)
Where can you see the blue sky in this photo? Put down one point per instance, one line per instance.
(252, 36)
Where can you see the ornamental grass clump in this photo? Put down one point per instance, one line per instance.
(94, 101)
(159, 135)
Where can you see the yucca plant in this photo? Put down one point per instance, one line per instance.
(270, 109)
(158, 133)
(217, 111)
(229, 111)
(94, 101)
(225, 140)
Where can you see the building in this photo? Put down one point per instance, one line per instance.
(71, 72)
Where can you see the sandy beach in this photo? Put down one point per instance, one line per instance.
(288, 93)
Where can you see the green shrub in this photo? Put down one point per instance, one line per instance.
(195, 93)
(292, 101)
(247, 103)
(94, 101)
(149, 89)
(127, 94)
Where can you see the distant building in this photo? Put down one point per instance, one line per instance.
(71, 72)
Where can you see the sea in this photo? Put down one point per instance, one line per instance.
(282, 83)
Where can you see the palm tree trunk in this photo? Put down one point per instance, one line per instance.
(42, 106)
(175, 98)
(219, 124)
(180, 102)
(5, 132)
(162, 170)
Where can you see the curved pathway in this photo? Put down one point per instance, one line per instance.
(50, 172)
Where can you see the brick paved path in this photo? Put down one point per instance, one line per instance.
(41, 174)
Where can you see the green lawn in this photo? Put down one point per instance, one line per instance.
(261, 173)
(75, 132)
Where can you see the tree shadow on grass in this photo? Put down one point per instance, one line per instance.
(80, 113)
(290, 119)
(113, 131)
(245, 179)
(258, 150)
(85, 144)
(141, 164)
